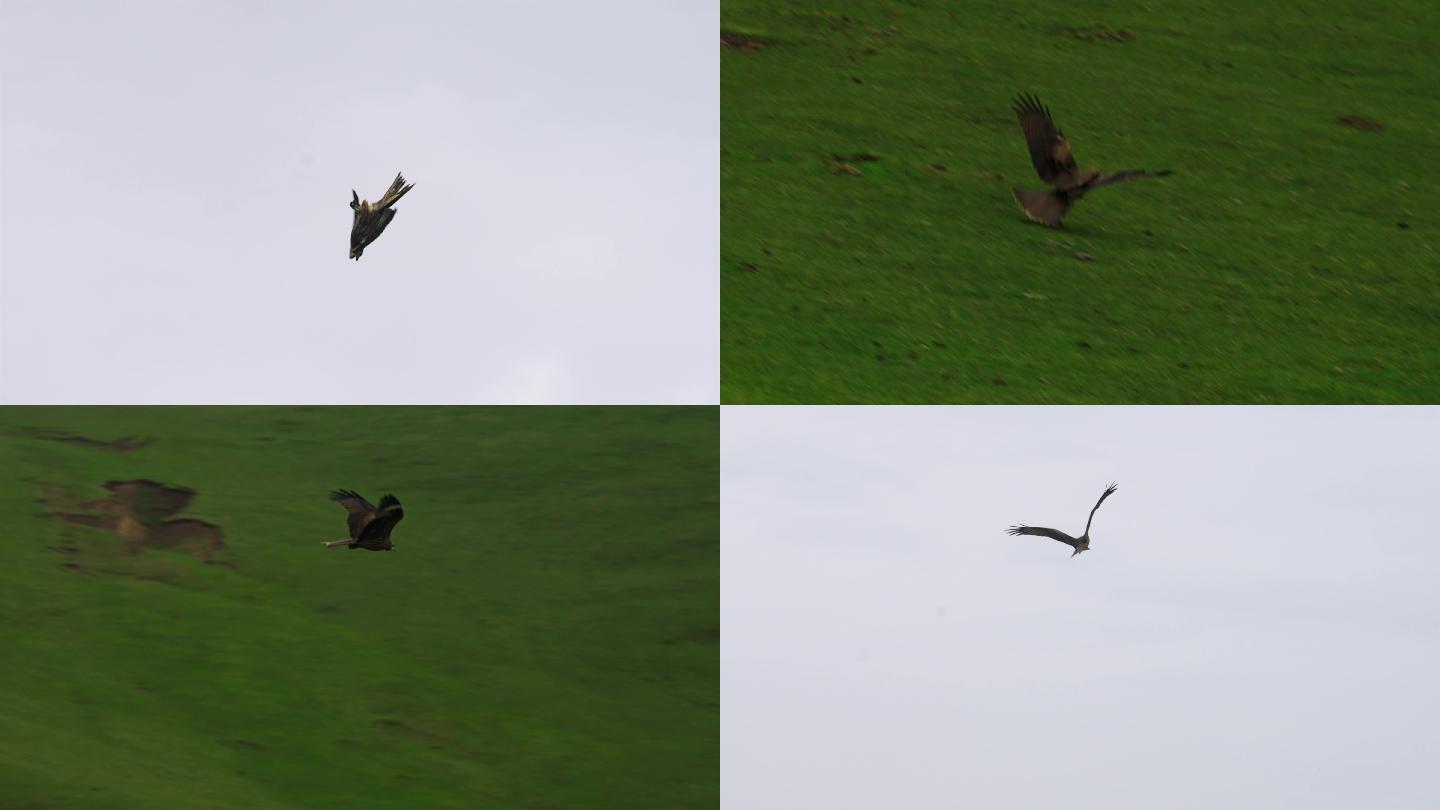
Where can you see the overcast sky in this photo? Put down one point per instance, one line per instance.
(175, 182)
(1255, 625)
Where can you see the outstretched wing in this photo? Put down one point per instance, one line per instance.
(361, 511)
(1040, 531)
(376, 534)
(1127, 174)
(1049, 150)
(397, 190)
(1108, 490)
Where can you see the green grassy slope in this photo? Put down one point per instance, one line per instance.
(545, 634)
(1273, 267)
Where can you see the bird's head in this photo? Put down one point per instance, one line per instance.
(354, 200)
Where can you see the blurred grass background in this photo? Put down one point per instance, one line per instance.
(872, 253)
(544, 635)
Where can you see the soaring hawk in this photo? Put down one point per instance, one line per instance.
(1050, 153)
(370, 525)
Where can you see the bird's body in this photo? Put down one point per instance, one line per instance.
(371, 219)
(1050, 154)
(370, 526)
(1081, 543)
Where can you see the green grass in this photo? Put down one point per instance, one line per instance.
(1270, 268)
(545, 634)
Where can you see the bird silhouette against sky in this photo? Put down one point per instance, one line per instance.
(1081, 543)
(371, 218)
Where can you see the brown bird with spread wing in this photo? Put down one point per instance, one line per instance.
(370, 526)
(1081, 543)
(372, 218)
(1050, 153)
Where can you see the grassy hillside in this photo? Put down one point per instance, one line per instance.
(871, 250)
(544, 635)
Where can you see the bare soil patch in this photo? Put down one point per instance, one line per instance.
(142, 513)
(1360, 122)
(744, 43)
(1097, 34)
(124, 444)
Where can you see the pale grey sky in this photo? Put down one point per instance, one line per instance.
(1255, 625)
(175, 183)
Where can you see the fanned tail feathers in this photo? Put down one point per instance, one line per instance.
(1046, 207)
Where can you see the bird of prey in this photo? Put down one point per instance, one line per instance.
(370, 526)
(1081, 543)
(1050, 153)
(371, 218)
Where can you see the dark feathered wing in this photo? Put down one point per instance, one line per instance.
(361, 512)
(376, 534)
(367, 229)
(1040, 531)
(1108, 491)
(1049, 150)
(357, 235)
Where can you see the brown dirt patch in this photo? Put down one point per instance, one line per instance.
(124, 444)
(1360, 122)
(141, 513)
(845, 164)
(1097, 34)
(744, 43)
(430, 738)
